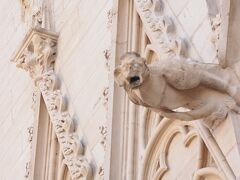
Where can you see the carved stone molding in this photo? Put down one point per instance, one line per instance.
(103, 132)
(216, 27)
(25, 4)
(160, 27)
(36, 13)
(37, 53)
(105, 97)
(37, 56)
(30, 133)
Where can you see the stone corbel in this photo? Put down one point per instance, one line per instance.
(37, 56)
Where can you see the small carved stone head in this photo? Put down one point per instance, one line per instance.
(132, 70)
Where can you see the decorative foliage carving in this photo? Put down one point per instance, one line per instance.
(37, 56)
(216, 23)
(27, 170)
(160, 27)
(110, 14)
(63, 123)
(105, 97)
(35, 13)
(107, 54)
(79, 168)
(174, 83)
(30, 134)
(100, 173)
(37, 18)
(29, 138)
(103, 132)
(25, 5)
(35, 94)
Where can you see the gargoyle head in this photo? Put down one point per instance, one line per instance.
(132, 71)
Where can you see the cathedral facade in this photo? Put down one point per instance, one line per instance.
(64, 116)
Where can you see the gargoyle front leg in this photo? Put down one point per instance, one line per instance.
(236, 95)
(215, 82)
(191, 115)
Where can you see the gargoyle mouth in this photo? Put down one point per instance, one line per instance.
(134, 80)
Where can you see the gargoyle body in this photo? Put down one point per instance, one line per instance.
(205, 90)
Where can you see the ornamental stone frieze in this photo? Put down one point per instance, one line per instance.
(37, 56)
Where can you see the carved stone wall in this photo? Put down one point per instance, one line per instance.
(81, 67)
(37, 56)
(101, 133)
(83, 83)
(16, 95)
(158, 29)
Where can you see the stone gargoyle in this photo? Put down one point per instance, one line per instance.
(205, 91)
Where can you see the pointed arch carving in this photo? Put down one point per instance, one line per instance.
(156, 157)
(207, 173)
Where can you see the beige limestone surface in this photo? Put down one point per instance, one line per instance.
(120, 140)
(80, 68)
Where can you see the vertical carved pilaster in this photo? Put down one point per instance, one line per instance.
(37, 56)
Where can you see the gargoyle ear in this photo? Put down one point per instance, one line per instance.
(118, 76)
